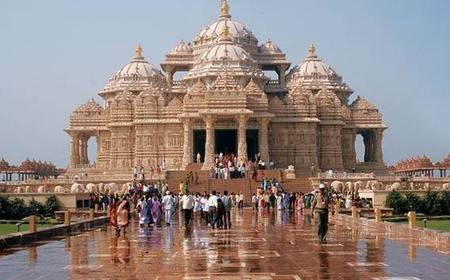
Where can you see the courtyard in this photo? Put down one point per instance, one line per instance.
(275, 245)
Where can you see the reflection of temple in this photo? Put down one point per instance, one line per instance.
(226, 103)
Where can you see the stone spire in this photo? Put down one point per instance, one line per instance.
(225, 9)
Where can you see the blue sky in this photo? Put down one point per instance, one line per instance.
(57, 54)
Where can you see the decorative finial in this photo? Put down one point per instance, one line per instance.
(138, 51)
(224, 9)
(225, 34)
(312, 49)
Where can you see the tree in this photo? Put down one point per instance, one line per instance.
(445, 202)
(17, 209)
(396, 201)
(51, 205)
(431, 204)
(5, 207)
(36, 208)
(413, 202)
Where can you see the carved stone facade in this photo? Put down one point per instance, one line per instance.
(226, 103)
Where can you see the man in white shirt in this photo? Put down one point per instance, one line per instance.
(169, 206)
(187, 202)
(212, 203)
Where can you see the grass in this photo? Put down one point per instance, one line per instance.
(12, 228)
(443, 225)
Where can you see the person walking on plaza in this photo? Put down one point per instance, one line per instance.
(320, 205)
(169, 207)
(187, 205)
(227, 203)
(123, 216)
(255, 202)
(212, 205)
(156, 210)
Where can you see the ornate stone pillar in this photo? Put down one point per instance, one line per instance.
(187, 143)
(210, 142)
(264, 138)
(74, 150)
(242, 137)
(378, 148)
(83, 150)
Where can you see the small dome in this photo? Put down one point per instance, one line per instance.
(269, 48)
(182, 48)
(313, 72)
(136, 75)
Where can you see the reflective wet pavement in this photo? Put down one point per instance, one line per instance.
(260, 246)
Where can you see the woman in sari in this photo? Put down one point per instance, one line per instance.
(142, 209)
(156, 210)
(123, 215)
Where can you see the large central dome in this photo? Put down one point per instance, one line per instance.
(225, 54)
(238, 33)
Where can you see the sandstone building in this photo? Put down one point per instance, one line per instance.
(226, 103)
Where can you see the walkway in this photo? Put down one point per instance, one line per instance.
(263, 246)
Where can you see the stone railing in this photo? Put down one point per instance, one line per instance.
(344, 175)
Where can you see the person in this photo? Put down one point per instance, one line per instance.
(169, 206)
(156, 210)
(320, 204)
(212, 204)
(205, 208)
(113, 215)
(227, 203)
(187, 205)
(255, 202)
(123, 215)
(220, 213)
(143, 211)
(241, 201)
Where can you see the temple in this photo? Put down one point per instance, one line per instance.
(215, 95)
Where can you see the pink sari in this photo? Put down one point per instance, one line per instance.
(156, 211)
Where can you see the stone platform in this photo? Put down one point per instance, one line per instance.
(260, 246)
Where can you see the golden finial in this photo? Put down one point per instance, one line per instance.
(225, 34)
(312, 49)
(138, 51)
(224, 9)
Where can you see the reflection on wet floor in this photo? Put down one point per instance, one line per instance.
(259, 246)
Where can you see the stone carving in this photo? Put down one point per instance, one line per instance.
(91, 188)
(59, 189)
(42, 189)
(338, 186)
(77, 188)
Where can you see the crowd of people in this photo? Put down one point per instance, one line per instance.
(156, 205)
(227, 166)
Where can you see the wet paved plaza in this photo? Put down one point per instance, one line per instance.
(263, 246)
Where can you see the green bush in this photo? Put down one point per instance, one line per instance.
(17, 209)
(51, 205)
(431, 204)
(413, 202)
(397, 202)
(36, 208)
(445, 202)
(5, 207)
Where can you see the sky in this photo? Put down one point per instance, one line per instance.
(57, 54)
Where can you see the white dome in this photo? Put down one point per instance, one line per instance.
(182, 48)
(269, 48)
(238, 32)
(136, 75)
(227, 50)
(225, 54)
(314, 73)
